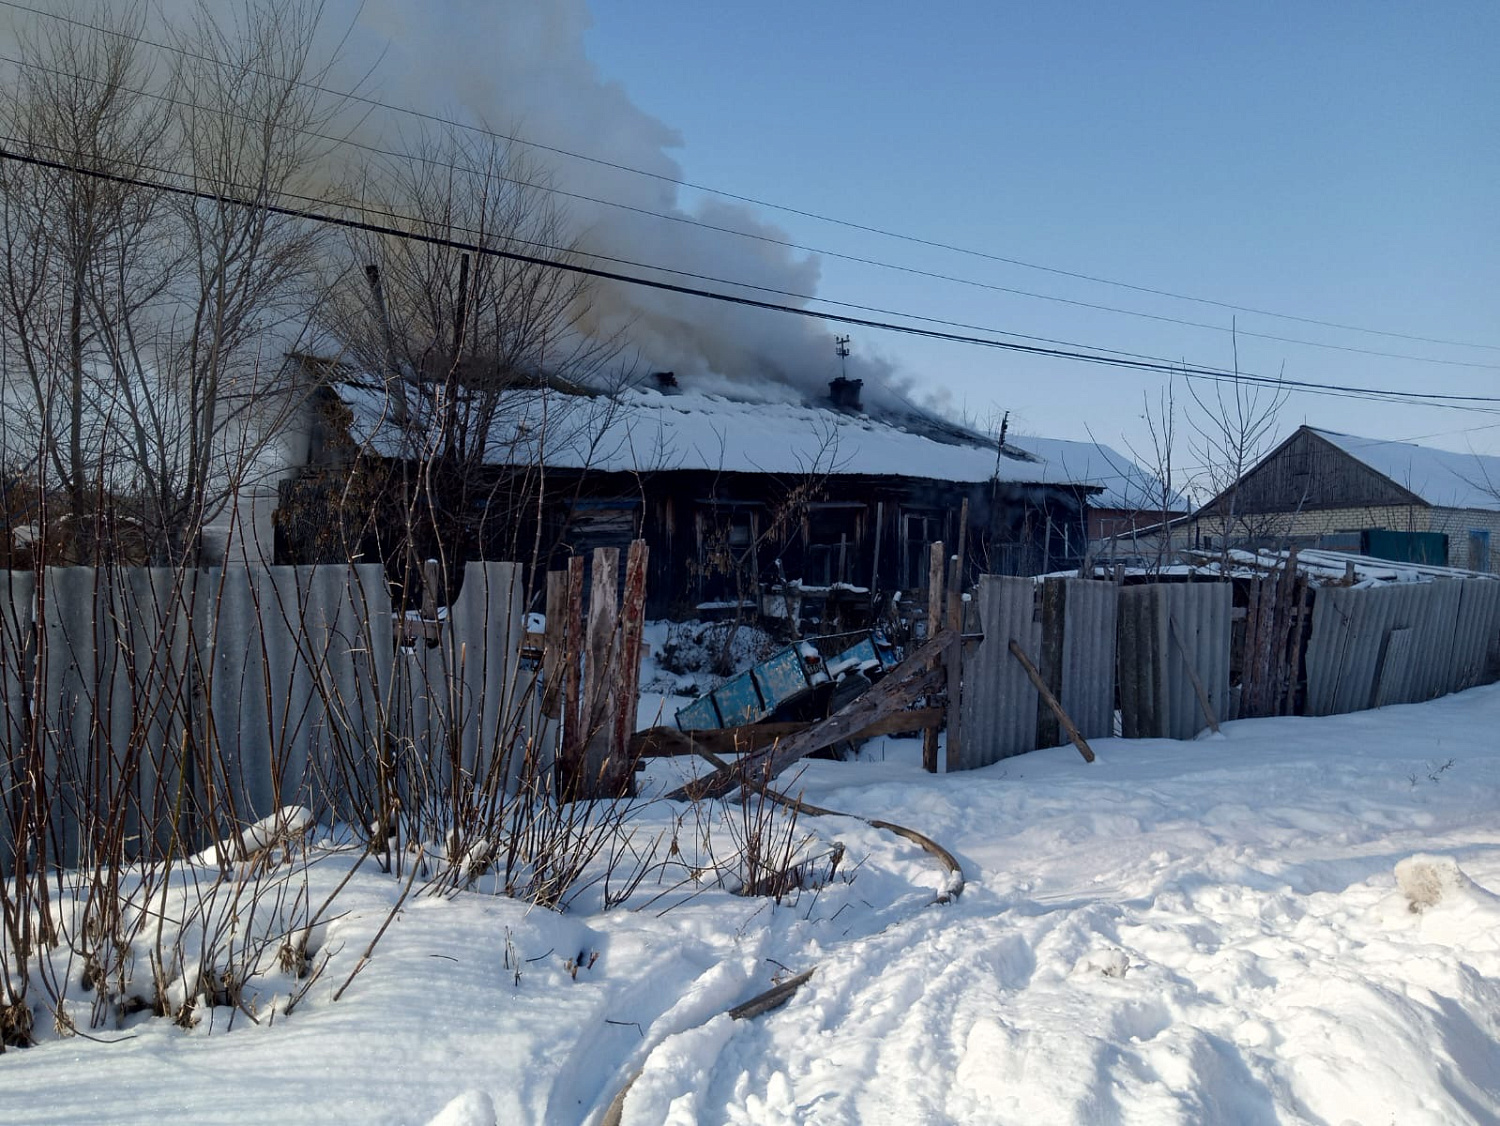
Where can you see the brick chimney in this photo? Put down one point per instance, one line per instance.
(666, 381)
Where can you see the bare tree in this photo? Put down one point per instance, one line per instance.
(486, 369)
(1232, 429)
(83, 256)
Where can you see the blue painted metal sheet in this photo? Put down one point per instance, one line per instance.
(700, 715)
(780, 678)
(739, 701)
(856, 657)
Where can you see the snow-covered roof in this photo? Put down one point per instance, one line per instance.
(1440, 477)
(643, 430)
(1126, 485)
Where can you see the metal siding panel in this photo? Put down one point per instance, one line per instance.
(998, 699)
(1324, 645)
(1478, 609)
(486, 625)
(1088, 656)
(1394, 680)
(1434, 639)
(1201, 612)
(17, 666)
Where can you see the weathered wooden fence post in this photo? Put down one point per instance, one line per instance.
(935, 609)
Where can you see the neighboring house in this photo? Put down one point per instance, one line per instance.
(1125, 517)
(1391, 500)
(734, 498)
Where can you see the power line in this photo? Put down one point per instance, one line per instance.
(1157, 366)
(785, 243)
(852, 225)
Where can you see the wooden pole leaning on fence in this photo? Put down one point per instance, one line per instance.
(1051, 701)
(1203, 701)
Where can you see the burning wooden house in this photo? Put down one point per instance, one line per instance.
(745, 505)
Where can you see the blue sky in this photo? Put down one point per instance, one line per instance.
(1334, 161)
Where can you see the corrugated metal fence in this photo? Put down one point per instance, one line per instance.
(1399, 644)
(209, 698)
(1162, 652)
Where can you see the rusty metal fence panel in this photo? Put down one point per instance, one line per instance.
(1164, 630)
(998, 701)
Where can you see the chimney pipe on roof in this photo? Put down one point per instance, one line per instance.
(844, 393)
(666, 381)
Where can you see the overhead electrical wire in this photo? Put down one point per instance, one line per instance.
(1470, 402)
(852, 225)
(688, 220)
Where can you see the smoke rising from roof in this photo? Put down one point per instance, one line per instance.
(520, 68)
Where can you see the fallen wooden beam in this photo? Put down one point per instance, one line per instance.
(913, 677)
(664, 742)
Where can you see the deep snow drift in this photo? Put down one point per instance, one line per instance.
(1291, 922)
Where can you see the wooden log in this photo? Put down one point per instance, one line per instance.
(1051, 701)
(935, 609)
(1203, 701)
(912, 678)
(601, 657)
(618, 772)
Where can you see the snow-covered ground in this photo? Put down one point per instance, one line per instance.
(1285, 923)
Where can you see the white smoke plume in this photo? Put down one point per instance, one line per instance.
(519, 67)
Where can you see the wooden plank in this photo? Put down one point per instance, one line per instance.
(664, 742)
(553, 643)
(1051, 701)
(570, 761)
(618, 772)
(912, 678)
(1054, 623)
(601, 666)
(935, 604)
(953, 656)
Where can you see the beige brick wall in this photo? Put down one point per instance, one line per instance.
(1318, 522)
(1457, 522)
